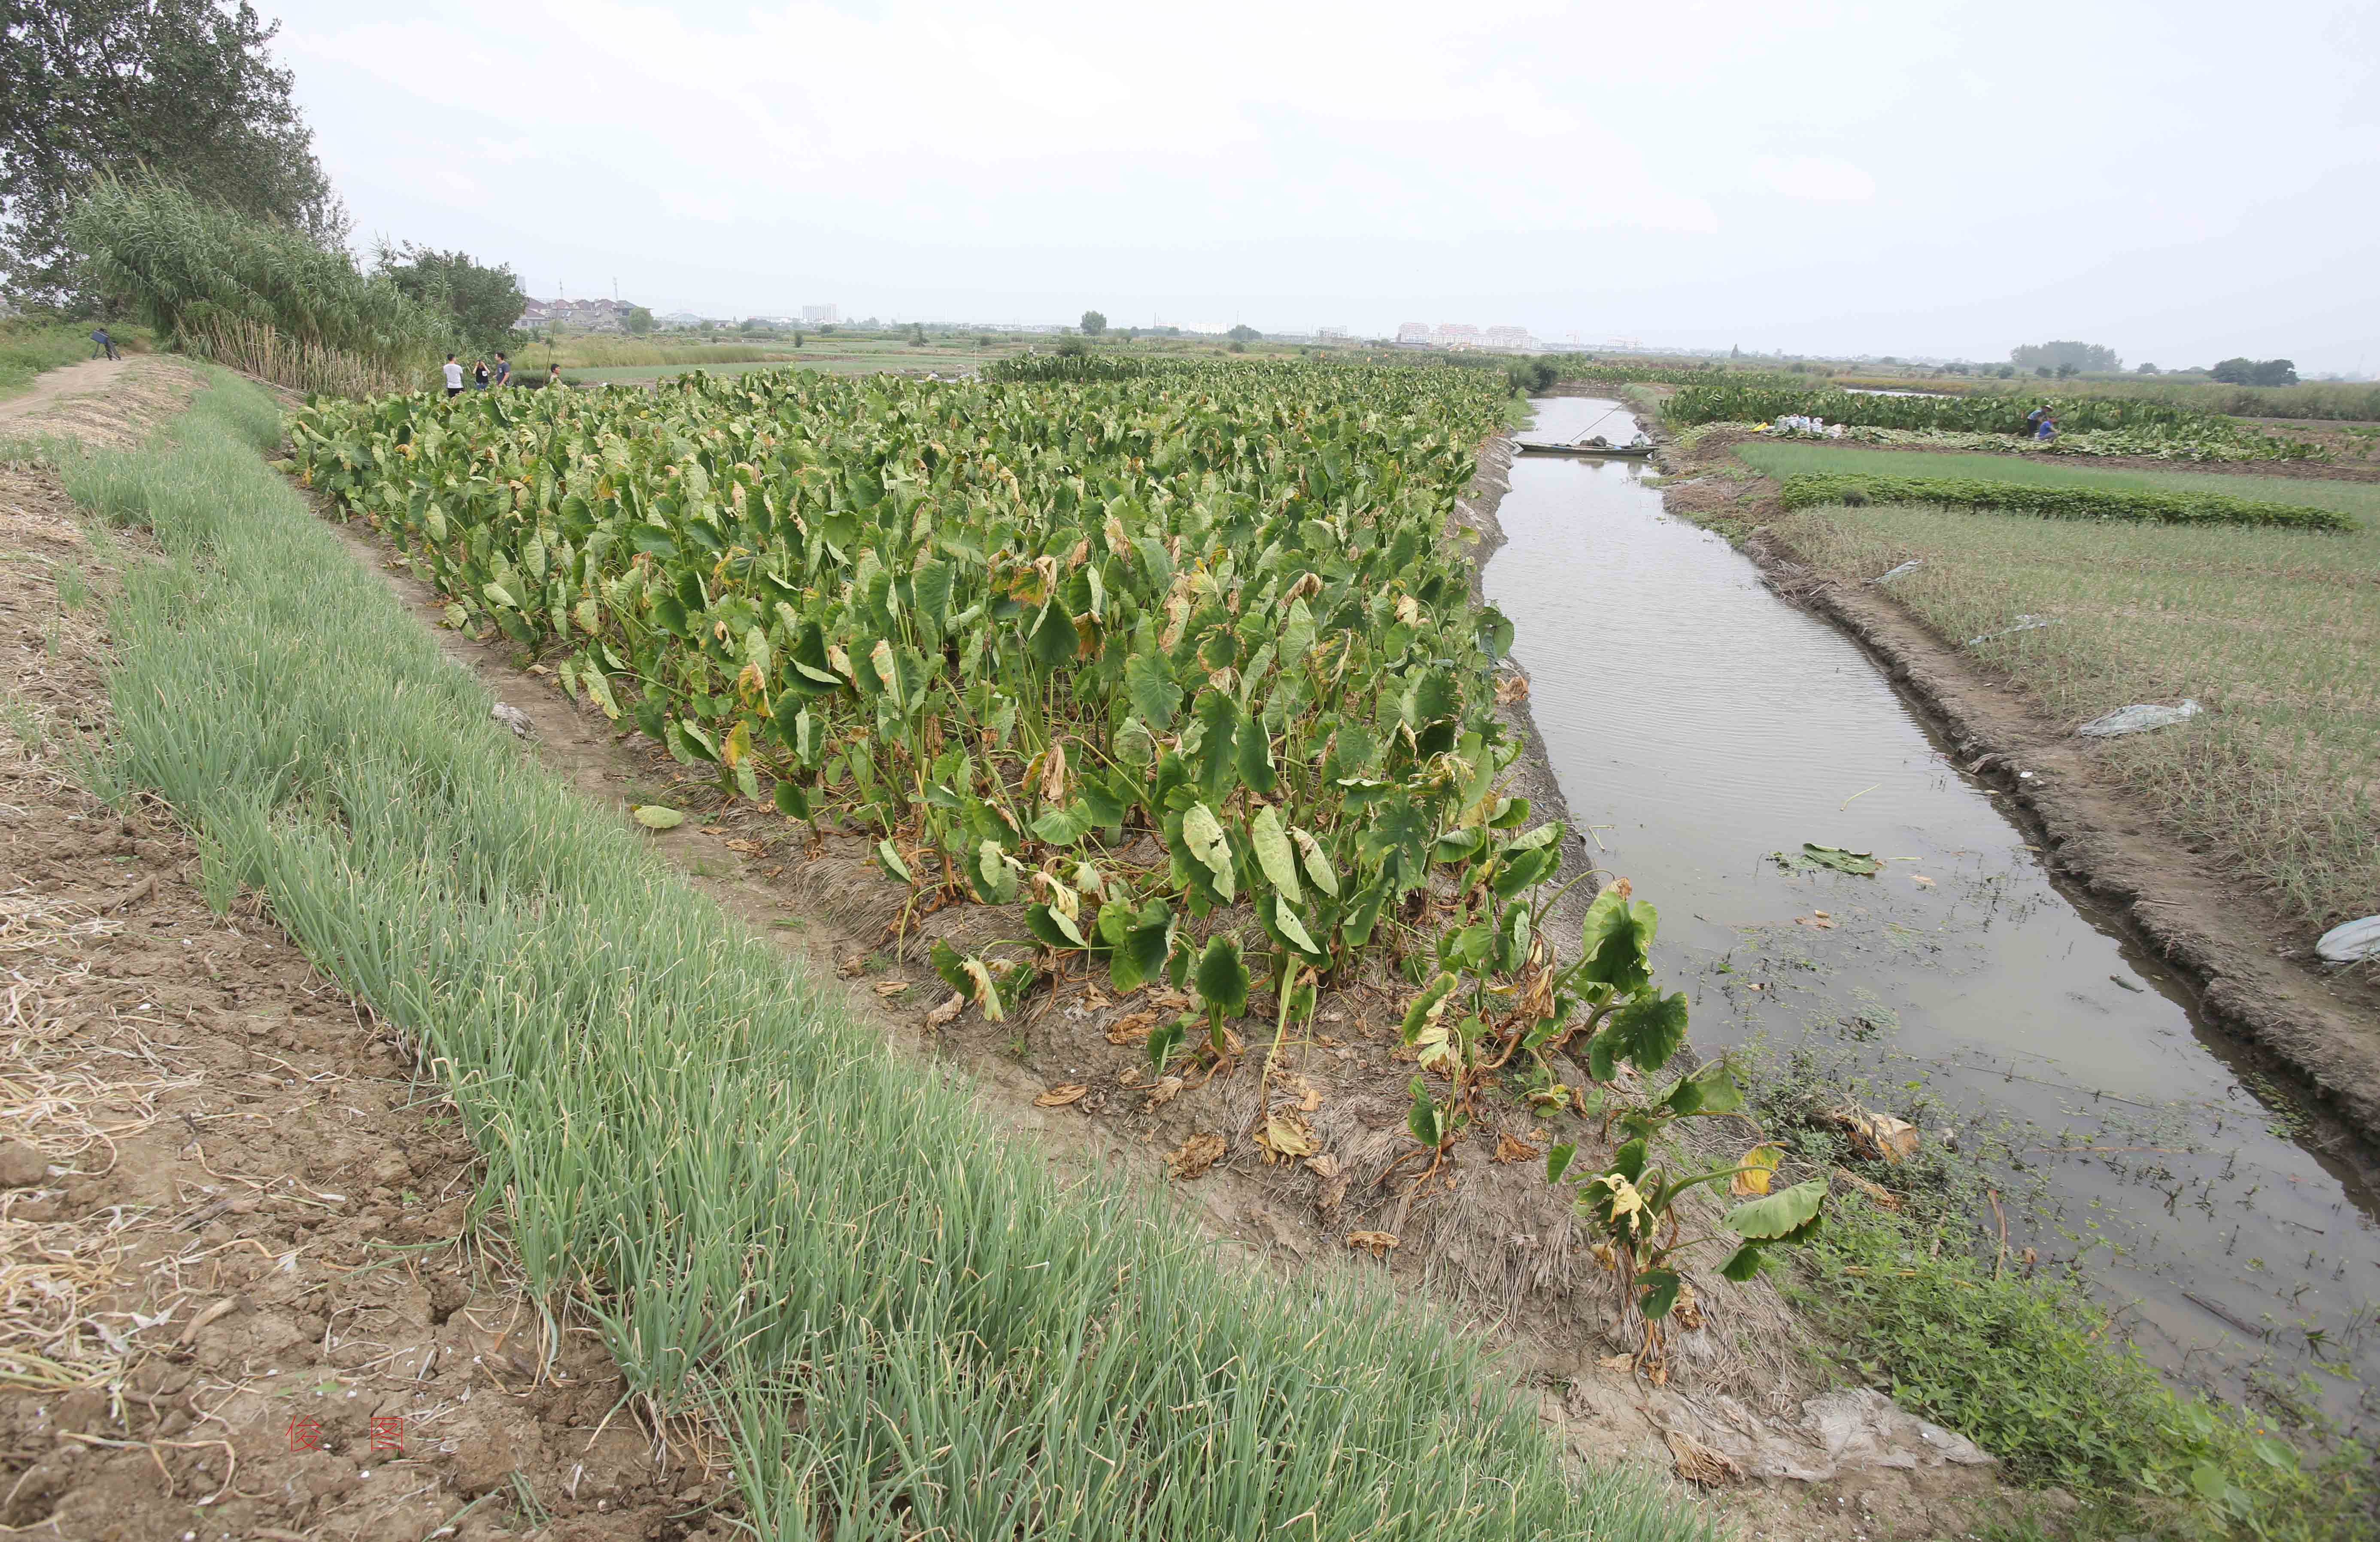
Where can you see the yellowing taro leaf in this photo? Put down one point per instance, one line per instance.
(1289, 1136)
(1377, 1243)
(1625, 1200)
(1759, 1165)
(652, 816)
(1318, 863)
(948, 1010)
(1432, 1045)
(987, 995)
(1207, 847)
(1274, 854)
(1296, 633)
(1058, 1097)
(1295, 929)
(881, 656)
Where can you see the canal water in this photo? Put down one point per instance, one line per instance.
(1698, 724)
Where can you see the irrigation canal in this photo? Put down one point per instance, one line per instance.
(1698, 723)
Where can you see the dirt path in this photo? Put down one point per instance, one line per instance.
(74, 380)
(2249, 963)
(242, 1292)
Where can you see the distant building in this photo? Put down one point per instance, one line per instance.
(1413, 334)
(1455, 334)
(680, 319)
(820, 315)
(1332, 334)
(1515, 339)
(596, 315)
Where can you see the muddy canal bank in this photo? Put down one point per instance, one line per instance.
(1698, 724)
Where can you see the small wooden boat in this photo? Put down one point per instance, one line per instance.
(1598, 446)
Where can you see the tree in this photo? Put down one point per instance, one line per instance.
(1243, 333)
(2251, 372)
(2147, 369)
(182, 87)
(639, 320)
(1094, 325)
(484, 301)
(916, 334)
(2084, 357)
(797, 337)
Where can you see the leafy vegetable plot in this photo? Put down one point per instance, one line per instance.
(1810, 489)
(1007, 626)
(2149, 423)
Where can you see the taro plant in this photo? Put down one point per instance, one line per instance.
(1009, 627)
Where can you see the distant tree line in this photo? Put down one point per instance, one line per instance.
(2253, 371)
(2065, 359)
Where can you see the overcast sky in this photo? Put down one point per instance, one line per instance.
(2182, 181)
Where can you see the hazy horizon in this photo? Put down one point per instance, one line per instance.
(1947, 180)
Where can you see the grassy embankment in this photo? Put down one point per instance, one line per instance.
(2272, 630)
(906, 1323)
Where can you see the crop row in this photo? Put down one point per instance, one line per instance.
(1571, 368)
(1000, 623)
(1017, 627)
(1808, 489)
(1728, 402)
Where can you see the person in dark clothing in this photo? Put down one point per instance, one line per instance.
(479, 375)
(102, 344)
(2032, 421)
(503, 370)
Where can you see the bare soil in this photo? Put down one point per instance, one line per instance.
(2250, 964)
(241, 1293)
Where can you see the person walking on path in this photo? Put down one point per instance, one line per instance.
(102, 344)
(480, 376)
(453, 377)
(503, 370)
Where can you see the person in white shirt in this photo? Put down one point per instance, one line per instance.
(453, 377)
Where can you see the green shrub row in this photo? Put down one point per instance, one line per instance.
(1808, 490)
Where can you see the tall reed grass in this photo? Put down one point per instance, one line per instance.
(259, 348)
(908, 1325)
(191, 268)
